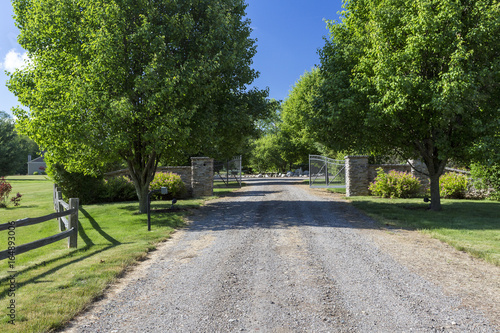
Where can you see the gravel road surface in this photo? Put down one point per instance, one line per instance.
(275, 257)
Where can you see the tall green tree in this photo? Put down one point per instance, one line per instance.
(133, 80)
(420, 77)
(266, 154)
(8, 143)
(297, 108)
(14, 148)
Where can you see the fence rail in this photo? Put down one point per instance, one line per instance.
(67, 215)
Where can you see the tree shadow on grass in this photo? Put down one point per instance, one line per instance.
(88, 245)
(98, 228)
(83, 235)
(466, 214)
(36, 279)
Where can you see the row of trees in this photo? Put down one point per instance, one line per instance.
(414, 78)
(137, 81)
(279, 147)
(149, 82)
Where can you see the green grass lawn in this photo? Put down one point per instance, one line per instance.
(221, 189)
(54, 283)
(340, 190)
(468, 225)
(337, 190)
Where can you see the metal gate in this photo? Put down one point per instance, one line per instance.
(228, 170)
(325, 172)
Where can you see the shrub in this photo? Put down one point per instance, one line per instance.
(172, 181)
(119, 189)
(16, 199)
(395, 184)
(487, 179)
(35, 173)
(453, 185)
(88, 189)
(5, 189)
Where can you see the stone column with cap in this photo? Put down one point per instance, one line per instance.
(356, 171)
(202, 176)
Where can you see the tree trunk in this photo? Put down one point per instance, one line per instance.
(435, 195)
(142, 173)
(435, 168)
(142, 195)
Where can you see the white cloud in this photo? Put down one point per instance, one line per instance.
(14, 60)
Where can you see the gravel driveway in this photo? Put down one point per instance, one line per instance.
(275, 257)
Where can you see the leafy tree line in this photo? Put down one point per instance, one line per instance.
(14, 148)
(281, 144)
(419, 79)
(136, 81)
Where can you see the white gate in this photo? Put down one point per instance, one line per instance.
(325, 172)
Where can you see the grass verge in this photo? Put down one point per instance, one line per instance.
(467, 225)
(54, 283)
(337, 190)
(222, 189)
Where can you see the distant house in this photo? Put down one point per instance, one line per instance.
(38, 165)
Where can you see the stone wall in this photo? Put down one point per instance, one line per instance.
(372, 169)
(198, 178)
(183, 171)
(359, 174)
(419, 170)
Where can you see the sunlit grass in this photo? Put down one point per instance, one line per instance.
(222, 189)
(468, 225)
(54, 283)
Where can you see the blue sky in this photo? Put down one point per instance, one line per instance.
(289, 33)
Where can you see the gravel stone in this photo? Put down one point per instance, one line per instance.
(276, 258)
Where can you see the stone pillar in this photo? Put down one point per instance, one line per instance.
(356, 171)
(419, 171)
(202, 176)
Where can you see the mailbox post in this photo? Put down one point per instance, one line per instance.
(163, 190)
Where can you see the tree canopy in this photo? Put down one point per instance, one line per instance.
(419, 77)
(8, 142)
(285, 141)
(14, 148)
(134, 80)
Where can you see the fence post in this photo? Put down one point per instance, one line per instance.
(54, 197)
(60, 208)
(73, 223)
(327, 178)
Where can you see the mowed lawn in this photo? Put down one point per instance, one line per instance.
(53, 283)
(468, 225)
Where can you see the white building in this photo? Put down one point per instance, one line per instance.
(38, 165)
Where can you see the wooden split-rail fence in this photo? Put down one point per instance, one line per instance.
(67, 217)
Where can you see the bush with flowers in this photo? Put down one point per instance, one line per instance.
(395, 184)
(172, 181)
(5, 189)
